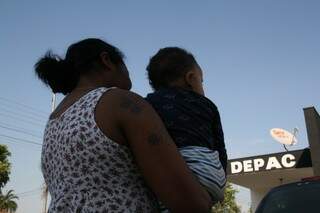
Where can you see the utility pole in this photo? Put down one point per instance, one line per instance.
(53, 102)
(45, 190)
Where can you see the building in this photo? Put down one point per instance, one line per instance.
(263, 172)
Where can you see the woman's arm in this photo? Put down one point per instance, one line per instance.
(162, 166)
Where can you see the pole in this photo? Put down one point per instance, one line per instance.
(46, 192)
(53, 102)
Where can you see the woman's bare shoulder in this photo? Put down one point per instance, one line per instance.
(124, 100)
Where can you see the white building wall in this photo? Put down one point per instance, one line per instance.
(257, 195)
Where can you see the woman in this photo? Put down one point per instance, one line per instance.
(105, 149)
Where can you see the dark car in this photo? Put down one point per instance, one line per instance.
(298, 197)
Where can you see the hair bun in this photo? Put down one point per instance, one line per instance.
(57, 73)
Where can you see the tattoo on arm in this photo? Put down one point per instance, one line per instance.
(154, 139)
(136, 108)
(130, 105)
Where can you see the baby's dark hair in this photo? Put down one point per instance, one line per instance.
(168, 65)
(62, 75)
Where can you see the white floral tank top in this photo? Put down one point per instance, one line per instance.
(85, 171)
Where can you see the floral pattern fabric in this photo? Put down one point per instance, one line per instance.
(87, 172)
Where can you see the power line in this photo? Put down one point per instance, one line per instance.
(21, 119)
(34, 117)
(30, 191)
(23, 105)
(18, 142)
(28, 195)
(21, 140)
(19, 131)
(26, 111)
(21, 128)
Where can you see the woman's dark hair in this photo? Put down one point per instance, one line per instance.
(62, 75)
(168, 65)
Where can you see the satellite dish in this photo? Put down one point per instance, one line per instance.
(284, 137)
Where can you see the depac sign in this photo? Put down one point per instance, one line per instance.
(263, 163)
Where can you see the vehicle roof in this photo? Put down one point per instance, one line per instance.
(298, 183)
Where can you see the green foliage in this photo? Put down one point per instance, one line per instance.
(4, 165)
(7, 202)
(229, 204)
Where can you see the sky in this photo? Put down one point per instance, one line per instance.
(260, 61)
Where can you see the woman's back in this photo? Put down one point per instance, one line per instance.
(87, 171)
(84, 169)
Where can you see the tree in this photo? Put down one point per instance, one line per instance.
(229, 204)
(7, 202)
(4, 165)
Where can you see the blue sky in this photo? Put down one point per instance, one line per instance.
(260, 61)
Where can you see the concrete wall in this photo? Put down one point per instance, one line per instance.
(312, 119)
(257, 195)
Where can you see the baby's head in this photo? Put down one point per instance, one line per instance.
(175, 67)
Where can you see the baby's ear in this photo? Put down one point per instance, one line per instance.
(190, 78)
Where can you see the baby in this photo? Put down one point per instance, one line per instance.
(192, 120)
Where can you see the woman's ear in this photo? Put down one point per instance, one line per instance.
(105, 61)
